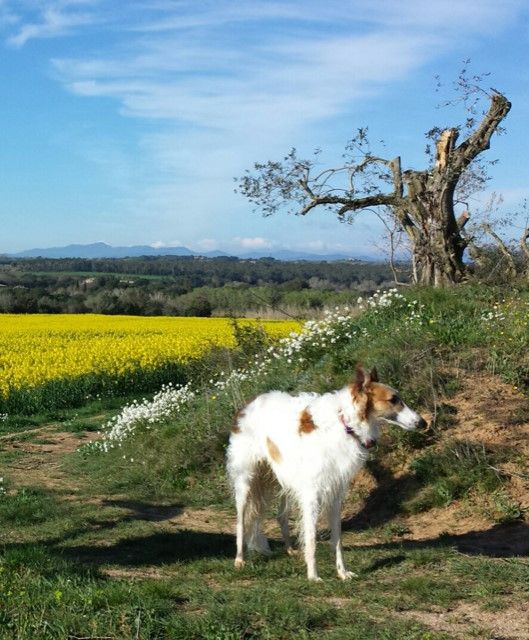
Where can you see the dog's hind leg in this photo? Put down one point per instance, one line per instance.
(309, 520)
(335, 523)
(242, 490)
(282, 518)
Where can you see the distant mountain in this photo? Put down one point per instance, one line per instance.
(103, 250)
(286, 255)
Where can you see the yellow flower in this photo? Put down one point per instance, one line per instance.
(35, 349)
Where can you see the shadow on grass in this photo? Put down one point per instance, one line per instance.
(505, 541)
(500, 541)
(385, 501)
(156, 549)
(145, 511)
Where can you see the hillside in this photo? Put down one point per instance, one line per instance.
(133, 535)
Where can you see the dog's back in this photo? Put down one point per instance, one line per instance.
(265, 427)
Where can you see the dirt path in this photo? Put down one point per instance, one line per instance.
(40, 462)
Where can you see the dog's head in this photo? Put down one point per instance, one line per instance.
(375, 402)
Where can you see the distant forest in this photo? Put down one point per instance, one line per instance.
(184, 285)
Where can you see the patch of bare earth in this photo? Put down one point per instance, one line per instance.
(467, 620)
(41, 463)
(488, 412)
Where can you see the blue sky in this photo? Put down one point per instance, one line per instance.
(125, 122)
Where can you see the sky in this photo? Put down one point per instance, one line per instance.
(126, 122)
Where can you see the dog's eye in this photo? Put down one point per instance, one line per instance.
(394, 399)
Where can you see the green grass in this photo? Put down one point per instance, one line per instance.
(450, 473)
(108, 553)
(56, 585)
(87, 417)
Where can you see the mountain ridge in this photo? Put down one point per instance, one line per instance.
(103, 250)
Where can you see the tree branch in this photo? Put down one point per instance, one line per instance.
(502, 248)
(479, 140)
(349, 204)
(525, 249)
(444, 147)
(462, 220)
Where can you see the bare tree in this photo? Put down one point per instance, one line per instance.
(393, 244)
(423, 203)
(498, 259)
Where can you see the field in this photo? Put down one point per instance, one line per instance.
(129, 533)
(46, 360)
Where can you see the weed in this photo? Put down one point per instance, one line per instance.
(449, 474)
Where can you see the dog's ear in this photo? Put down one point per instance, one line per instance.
(360, 378)
(372, 376)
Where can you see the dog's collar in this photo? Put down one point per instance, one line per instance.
(351, 432)
(348, 429)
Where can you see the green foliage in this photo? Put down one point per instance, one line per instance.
(179, 285)
(249, 339)
(28, 505)
(451, 473)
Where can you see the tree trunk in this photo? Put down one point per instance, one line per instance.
(524, 239)
(427, 213)
(425, 207)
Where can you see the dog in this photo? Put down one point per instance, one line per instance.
(312, 445)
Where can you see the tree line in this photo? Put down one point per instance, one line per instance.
(183, 286)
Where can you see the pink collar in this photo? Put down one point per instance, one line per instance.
(351, 432)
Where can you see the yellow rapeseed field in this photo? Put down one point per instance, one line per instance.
(37, 348)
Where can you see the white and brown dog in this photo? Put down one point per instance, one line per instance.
(312, 445)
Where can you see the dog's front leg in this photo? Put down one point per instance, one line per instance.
(335, 522)
(309, 519)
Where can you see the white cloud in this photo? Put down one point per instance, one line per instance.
(159, 244)
(54, 19)
(253, 243)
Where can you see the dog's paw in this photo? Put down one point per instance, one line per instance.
(239, 563)
(292, 552)
(347, 575)
(315, 579)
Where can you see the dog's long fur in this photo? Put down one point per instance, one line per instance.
(312, 445)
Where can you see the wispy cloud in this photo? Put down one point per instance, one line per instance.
(209, 65)
(49, 19)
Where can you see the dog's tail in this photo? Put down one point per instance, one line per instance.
(261, 492)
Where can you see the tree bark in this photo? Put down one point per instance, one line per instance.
(524, 239)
